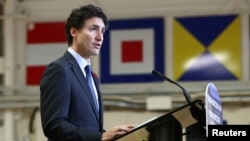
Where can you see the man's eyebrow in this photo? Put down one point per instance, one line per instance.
(97, 26)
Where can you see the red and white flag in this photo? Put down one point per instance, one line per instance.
(45, 43)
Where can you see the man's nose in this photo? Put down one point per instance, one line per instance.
(99, 36)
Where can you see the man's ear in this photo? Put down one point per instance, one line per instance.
(73, 32)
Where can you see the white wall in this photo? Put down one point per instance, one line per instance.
(40, 10)
(233, 115)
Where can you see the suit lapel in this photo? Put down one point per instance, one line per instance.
(82, 80)
(96, 81)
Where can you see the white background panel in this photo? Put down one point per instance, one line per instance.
(42, 54)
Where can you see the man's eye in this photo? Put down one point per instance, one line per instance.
(92, 29)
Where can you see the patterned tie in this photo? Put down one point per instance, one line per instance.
(90, 82)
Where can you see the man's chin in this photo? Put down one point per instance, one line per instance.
(95, 54)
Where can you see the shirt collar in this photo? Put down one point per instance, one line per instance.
(82, 62)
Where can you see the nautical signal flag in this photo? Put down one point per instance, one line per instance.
(46, 41)
(207, 48)
(132, 48)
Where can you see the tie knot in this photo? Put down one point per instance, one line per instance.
(88, 69)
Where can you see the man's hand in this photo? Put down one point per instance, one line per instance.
(116, 132)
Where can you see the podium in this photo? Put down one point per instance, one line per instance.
(169, 126)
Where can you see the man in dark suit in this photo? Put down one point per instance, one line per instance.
(70, 110)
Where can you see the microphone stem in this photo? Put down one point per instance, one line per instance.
(185, 93)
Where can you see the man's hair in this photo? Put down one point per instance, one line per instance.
(78, 16)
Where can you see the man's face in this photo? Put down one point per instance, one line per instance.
(87, 41)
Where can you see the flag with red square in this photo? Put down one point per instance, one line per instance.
(131, 50)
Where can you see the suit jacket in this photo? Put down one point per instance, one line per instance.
(68, 111)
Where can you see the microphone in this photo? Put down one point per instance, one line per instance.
(185, 93)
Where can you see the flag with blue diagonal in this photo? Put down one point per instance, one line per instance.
(207, 48)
